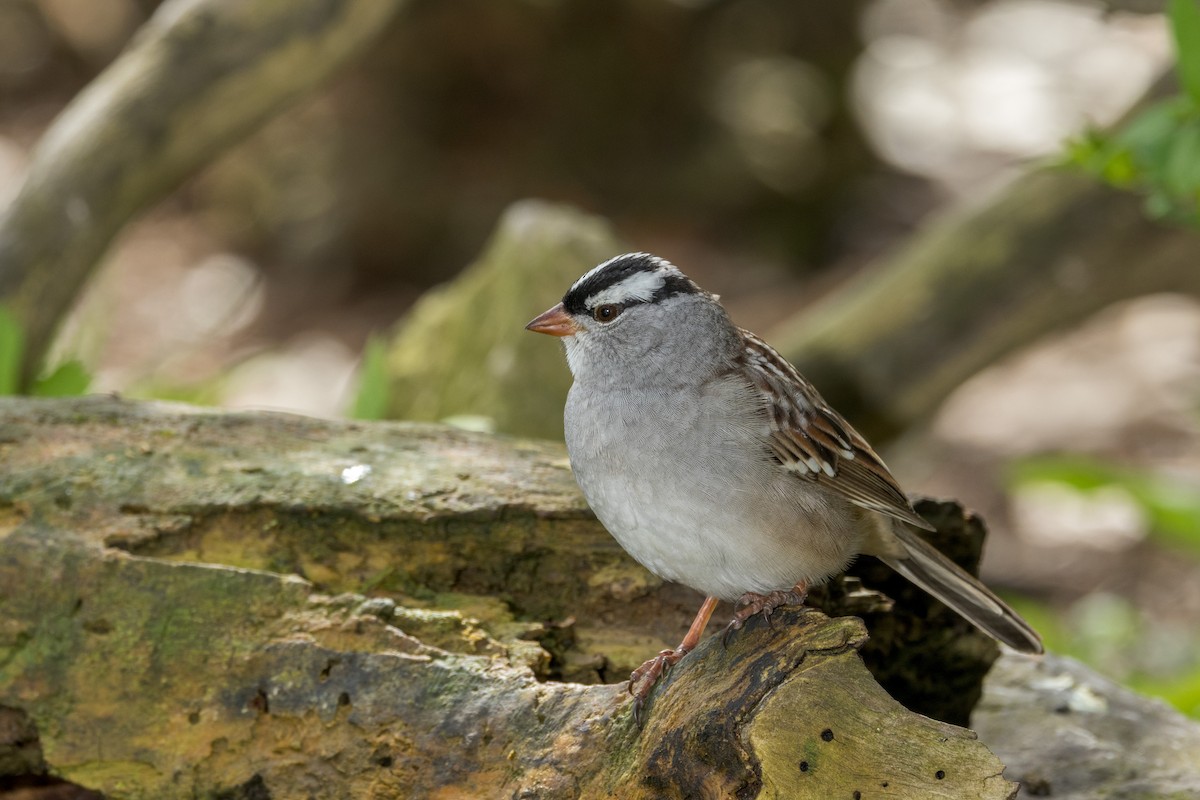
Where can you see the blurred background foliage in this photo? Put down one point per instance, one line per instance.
(773, 148)
(1158, 151)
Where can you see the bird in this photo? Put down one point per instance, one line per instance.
(715, 464)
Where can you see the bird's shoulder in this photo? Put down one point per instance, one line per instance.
(814, 442)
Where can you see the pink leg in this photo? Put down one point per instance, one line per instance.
(642, 680)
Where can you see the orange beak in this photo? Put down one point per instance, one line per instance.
(554, 322)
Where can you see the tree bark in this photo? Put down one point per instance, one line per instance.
(200, 75)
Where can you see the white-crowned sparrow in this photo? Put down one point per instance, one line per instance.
(715, 464)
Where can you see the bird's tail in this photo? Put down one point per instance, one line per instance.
(928, 568)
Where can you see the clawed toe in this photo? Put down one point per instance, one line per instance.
(652, 670)
(752, 603)
(736, 624)
(643, 679)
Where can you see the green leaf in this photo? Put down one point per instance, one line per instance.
(1185, 27)
(1182, 173)
(1088, 150)
(12, 347)
(371, 401)
(1104, 157)
(69, 379)
(1120, 169)
(1156, 153)
(1149, 133)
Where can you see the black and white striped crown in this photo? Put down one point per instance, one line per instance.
(624, 280)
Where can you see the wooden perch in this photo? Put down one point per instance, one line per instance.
(150, 629)
(200, 75)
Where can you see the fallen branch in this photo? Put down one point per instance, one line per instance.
(199, 76)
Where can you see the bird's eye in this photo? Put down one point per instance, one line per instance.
(607, 312)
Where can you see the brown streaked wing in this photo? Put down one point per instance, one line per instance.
(812, 440)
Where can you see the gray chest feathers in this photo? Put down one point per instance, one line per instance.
(684, 482)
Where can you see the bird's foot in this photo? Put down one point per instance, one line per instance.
(642, 679)
(752, 603)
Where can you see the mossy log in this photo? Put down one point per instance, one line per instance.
(199, 76)
(154, 627)
(157, 638)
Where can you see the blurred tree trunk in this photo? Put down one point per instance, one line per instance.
(199, 75)
(1052, 249)
(973, 286)
(203, 73)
